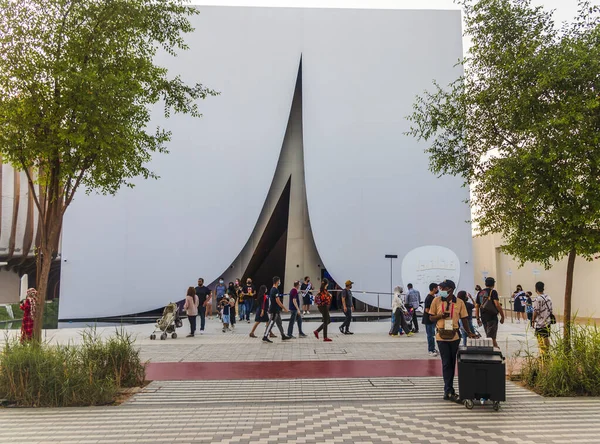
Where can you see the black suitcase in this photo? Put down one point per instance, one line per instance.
(481, 376)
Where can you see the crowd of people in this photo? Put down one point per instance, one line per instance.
(448, 315)
(237, 302)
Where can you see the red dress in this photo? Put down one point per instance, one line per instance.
(27, 324)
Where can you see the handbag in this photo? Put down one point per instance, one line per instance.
(445, 334)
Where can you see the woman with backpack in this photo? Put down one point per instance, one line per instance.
(323, 301)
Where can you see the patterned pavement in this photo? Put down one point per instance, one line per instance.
(340, 411)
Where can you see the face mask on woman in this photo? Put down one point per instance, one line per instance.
(443, 294)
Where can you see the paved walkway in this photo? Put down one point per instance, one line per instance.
(367, 411)
(370, 342)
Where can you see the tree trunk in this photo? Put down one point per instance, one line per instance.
(568, 294)
(42, 288)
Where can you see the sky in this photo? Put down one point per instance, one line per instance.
(565, 9)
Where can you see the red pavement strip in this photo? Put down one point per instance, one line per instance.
(180, 371)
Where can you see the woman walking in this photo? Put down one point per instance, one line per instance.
(323, 301)
(29, 306)
(398, 310)
(191, 309)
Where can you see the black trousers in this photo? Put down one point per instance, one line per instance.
(346, 325)
(274, 318)
(326, 319)
(202, 313)
(448, 351)
(400, 321)
(192, 320)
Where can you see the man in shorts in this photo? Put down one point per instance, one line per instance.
(487, 309)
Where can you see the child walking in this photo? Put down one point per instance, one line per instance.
(225, 311)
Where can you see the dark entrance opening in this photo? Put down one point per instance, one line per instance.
(269, 257)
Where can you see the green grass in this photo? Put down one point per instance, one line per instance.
(50, 314)
(566, 371)
(43, 375)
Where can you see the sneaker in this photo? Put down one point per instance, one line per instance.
(224, 330)
(285, 338)
(433, 354)
(267, 340)
(395, 336)
(316, 333)
(291, 337)
(201, 332)
(190, 336)
(342, 330)
(327, 340)
(410, 334)
(271, 335)
(248, 321)
(302, 335)
(349, 332)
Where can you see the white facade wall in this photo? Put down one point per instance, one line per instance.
(369, 192)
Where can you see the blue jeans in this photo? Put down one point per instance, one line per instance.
(294, 317)
(248, 306)
(242, 310)
(430, 329)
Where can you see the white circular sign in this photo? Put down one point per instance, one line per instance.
(429, 264)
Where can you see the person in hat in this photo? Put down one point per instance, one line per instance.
(446, 311)
(487, 309)
(347, 308)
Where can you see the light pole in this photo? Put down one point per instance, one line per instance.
(391, 257)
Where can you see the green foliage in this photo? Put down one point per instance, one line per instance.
(567, 371)
(522, 127)
(77, 80)
(43, 375)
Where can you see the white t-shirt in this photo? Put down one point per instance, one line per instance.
(542, 306)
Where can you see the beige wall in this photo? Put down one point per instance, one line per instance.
(488, 258)
(9, 287)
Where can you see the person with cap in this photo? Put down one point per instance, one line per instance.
(446, 310)
(347, 308)
(487, 309)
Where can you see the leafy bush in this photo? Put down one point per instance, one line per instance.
(567, 370)
(43, 375)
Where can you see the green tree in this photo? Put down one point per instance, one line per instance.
(521, 126)
(77, 81)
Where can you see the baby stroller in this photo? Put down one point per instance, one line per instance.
(168, 323)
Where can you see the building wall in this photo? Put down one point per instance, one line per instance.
(369, 191)
(490, 261)
(10, 285)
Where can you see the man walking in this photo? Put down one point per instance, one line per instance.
(295, 314)
(413, 300)
(347, 307)
(275, 307)
(427, 322)
(487, 309)
(220, 291)
(446, 310)
(204, 299)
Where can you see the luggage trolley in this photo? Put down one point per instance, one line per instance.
(481, 374)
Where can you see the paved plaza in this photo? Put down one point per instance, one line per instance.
(278, 405)
(387, 410)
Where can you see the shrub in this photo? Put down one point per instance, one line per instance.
(567, 369)
(43, 375)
